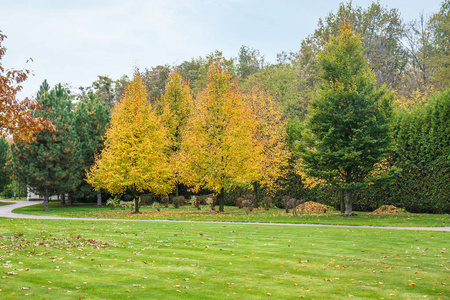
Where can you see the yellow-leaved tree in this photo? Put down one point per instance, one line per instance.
(175, 107)
(219, 149)
(271, 135)
(135, 155)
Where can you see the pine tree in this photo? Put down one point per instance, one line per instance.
(90, 121)
(49, 164)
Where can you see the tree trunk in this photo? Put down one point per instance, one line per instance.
(221, 199)
(136, 201)
(177, 190)
(348, 203)
(341, 194)
(62, 198)
(46, 200)
(99, 197)
(255, 190)
(69, 199)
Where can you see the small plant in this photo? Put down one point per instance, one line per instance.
(126, 204)
(239, 202)
(113, 202)
(157, 206)
(211, 201)
(383, 208)
(291, 203)
(196, 201)
(178, 201)
(267, 203)
(165, 200)
(248, 204)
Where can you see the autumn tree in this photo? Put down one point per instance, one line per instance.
(175, 106)
(271, 136)
(16, 118)
(219, 149)
(348, 132)
(48, 165)
(135, 156)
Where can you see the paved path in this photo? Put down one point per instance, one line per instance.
(6, 211)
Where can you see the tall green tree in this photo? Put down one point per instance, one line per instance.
(440, 27)
(4, 174)
(348, 131)
(49, 164)
(90, 121)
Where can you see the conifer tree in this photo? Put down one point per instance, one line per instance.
(49, 164)
(175, 107)
(90, 121)
(219, 148)
(348, 131)
(135, 157)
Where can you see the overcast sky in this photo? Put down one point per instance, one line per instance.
(74, 41)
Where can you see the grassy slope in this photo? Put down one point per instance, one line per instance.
(234, 214)
(157, 260)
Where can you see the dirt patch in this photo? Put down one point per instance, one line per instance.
(388, 209)
(312, 206)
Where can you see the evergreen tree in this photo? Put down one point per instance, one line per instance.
(90, 121)
(49, 164)
(4, 176)
(348, 132)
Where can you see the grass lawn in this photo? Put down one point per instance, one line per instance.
(239, 215)
(2, 203)
(63, 259)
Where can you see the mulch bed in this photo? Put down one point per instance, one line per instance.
(312, 207)
(388, 209)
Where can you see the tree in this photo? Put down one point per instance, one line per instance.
(155, 81)
(175, 107)
(49, 164)
(440, 27)
(104, 89)
(15, 116)
(271, 136)
(381, 31)
(90, 120)
(250, 62)
(135, 155)
(348, 130)
(219, 150)
(4, 176)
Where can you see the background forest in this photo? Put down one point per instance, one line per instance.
(407, 60)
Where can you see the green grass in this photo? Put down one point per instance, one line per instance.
(64, 259)
(2, 203)
(234, 214)
(12, 199)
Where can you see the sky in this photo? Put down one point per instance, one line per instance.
(74, 41)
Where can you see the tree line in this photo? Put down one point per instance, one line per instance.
(312, 125)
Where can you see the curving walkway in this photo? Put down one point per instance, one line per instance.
(6, 212)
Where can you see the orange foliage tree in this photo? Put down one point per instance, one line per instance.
(175, 107)
(16, 118)
(135, 155)
(271, 135)
(219, 150)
